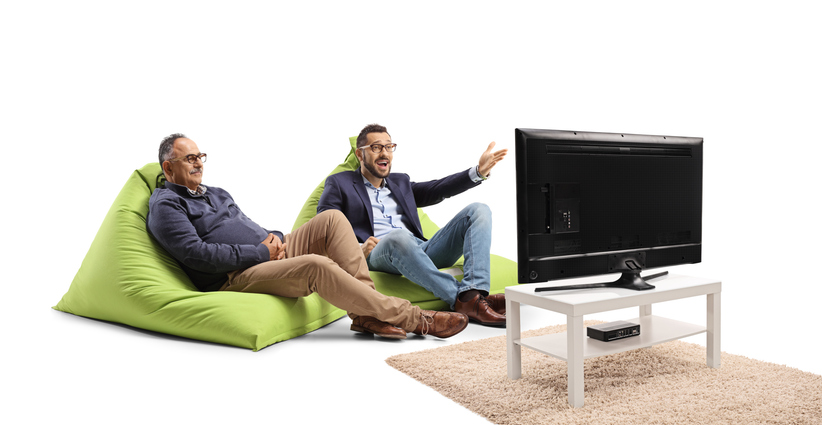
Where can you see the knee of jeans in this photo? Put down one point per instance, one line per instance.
(479, 210)
(399, 242)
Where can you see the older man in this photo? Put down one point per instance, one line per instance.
(382, 208)
(222, 249)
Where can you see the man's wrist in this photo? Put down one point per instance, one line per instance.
(476, 176)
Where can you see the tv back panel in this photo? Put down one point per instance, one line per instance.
(593, 203)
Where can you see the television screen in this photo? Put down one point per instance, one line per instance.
(597, 203)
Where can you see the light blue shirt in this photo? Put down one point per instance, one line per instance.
(387, 213)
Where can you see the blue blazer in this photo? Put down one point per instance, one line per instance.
(346, 192)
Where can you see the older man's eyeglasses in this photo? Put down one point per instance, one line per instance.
(377, 148)
(192, 158)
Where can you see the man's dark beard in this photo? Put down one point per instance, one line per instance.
(372, 168)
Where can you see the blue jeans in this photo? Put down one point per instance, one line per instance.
(468, 234)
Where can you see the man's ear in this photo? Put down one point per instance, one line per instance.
(358, 154)
(166, 168)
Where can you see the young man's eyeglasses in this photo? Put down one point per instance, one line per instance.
(192, 158)
(377, 148)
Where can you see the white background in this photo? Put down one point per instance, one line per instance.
(272, 91)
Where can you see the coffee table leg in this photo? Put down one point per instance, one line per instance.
(512, 333)
(714, 326)
(576, 366)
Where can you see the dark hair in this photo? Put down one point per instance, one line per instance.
(370, 128)
(167, 146)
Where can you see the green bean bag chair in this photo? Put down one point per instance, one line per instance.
(503, 270)
(127, 277)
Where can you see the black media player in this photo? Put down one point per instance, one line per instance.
(613, 330)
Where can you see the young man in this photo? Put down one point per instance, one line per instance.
(382, 209)
(222, 249)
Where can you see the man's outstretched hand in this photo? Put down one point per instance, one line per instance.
(276, 247)
(489, 159)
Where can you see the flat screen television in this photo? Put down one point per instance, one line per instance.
(598, 203)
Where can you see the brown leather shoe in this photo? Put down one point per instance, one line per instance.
(479, 310)
(497, 302)
(371, 325)
(442, 324)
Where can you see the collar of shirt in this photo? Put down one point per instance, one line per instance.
(371, 186)
(201, 190)
(182, 190)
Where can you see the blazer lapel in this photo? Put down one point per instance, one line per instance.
(359, 187)
(410, 212)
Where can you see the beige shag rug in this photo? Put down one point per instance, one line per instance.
(666, 384)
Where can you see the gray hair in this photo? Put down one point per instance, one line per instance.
(167, 146)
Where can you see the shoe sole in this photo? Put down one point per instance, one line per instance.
(387, 336)
(492, 324)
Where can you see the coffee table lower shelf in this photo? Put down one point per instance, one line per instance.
(653, 330)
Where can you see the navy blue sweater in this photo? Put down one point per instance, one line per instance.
(208, 234)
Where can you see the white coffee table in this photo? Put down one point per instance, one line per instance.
(574, 346)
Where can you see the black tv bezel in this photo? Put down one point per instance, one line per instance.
(579, 265)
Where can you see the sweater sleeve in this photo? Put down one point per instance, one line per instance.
(171, 227)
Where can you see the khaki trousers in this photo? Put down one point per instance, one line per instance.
(323, 256)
